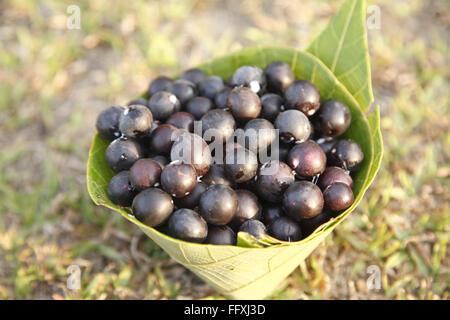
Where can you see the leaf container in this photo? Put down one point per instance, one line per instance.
(337, 62)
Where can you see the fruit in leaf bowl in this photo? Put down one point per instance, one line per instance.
(254, 267)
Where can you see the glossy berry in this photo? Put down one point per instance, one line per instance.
(192, 199)
(254, 227)
(347, 154)
(270, 213)
(218, 124)
(184, 90)
(221, 235)
(251, 77)
(309, 225)
(222, 97)
(182, 120)
(332, 175)
(248, 208)
(285, 229)
(302, 200)
(307, 159)
(122, 153)
(210, 86)
(199, 106)
(120, 190)
(161, 83)
(135, 121)
(163, 104)
(178, 179)
(144, 173)
(217, 175)
(273, 178)
(293, 125)
(338, 196)
(162, 139)
(241, 164)
(194, 75)
(218, 204)
(279, 76)
(302, 95)
(271, 106)
(108, 123)
(152, 206)
(191, 148)
(259, 134)
(333, 118)
(187, 225)
(244, 104)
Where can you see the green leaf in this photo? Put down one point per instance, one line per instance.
(344, 37)
(256, 267)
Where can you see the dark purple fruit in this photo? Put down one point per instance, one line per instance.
(338, 196)
(108, 123)
(303, 96)
(187, 225)
(199, 106)
(192, 199)
(309, 225)
(162, 139)
(254, 227)
(218, 204)
(161, 83)
(144, 173)
(152, 206)
(332, 175)
(259, 135)
(283, 152)
(184, 90)
(244, 104)
(194, 75)
(122, 153)
(347, 154)
(182, 120)
(279, 76)
(191, 148)
(248, 208)
(271, 106)
(293, 126)
(251, 77)
(240, 164)
(333, 118)
(218, 124)
(302, 200)
(270, 213)
(285, 229)
(307, 159)
(217, 175)
(135, 121)
(222, 97)
(163, 104)
(120, 190)
(210, 86)
(221, 235)
(273, 178)
(178, 179)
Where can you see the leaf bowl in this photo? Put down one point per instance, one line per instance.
(337, 62)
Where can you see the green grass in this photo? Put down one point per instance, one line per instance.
(55, 81)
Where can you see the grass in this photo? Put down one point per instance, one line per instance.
(55, 81)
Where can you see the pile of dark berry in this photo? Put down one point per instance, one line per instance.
(193, 198)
